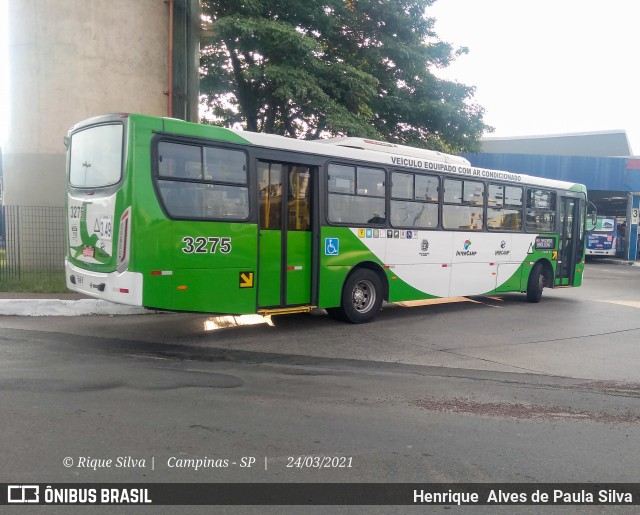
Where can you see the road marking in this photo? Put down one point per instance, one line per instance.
(144, 356)
(628, 303)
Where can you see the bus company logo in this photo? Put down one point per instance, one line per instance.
(466, 251)
(503, 252)
(424, 248)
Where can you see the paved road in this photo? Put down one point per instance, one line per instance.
(589, 332)
(485, 390)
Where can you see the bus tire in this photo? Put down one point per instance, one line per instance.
(361, 296)
(535, 285)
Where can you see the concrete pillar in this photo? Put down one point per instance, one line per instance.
(70, 60)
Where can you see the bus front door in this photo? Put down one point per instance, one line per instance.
(571, 239)
(285, 246)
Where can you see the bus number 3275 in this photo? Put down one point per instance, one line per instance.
(203, 245)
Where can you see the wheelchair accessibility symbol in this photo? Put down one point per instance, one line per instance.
(331, 246)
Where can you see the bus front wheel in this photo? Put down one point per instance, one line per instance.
(361, 297)
(535, 284)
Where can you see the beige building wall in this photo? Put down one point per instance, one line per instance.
(70, 60)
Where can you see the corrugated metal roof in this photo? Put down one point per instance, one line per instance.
(597, 173)
(595, 144)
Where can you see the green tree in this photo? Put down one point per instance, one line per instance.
(306, 68)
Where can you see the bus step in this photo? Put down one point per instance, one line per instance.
(285, 311)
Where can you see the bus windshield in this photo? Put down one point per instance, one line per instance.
(604, 239)
(605, 225)
(96, 156)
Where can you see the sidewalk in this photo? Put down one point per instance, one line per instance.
(61, 304)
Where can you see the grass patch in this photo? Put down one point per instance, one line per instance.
(34, 282)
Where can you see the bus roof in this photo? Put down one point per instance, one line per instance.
(392, 148)
(396, 157)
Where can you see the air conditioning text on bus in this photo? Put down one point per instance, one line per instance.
(462, 170)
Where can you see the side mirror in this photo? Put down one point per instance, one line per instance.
(592, 216)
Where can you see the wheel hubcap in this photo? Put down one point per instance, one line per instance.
(363, 296)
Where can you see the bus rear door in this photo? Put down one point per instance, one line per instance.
(285, 247)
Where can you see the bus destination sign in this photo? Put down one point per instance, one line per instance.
(545, 243)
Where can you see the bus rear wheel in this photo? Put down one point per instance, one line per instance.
(361, 297)
(535, 284)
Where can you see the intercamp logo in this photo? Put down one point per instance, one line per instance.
(466, 251)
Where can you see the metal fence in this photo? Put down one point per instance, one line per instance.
(32, 243)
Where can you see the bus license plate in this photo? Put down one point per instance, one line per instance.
(88, 251)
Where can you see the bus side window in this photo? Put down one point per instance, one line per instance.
(541, 210)
(356, 195)
(225, 165)
(414, 200)
(181, 199)
(504, 208)
(463, 205)
(215, 188)
(179, 161)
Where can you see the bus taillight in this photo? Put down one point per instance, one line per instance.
(124, 240)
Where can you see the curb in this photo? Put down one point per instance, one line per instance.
(57, 307)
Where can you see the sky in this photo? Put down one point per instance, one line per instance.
(547, 66)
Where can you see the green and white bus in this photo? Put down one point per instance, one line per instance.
(172, 215)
